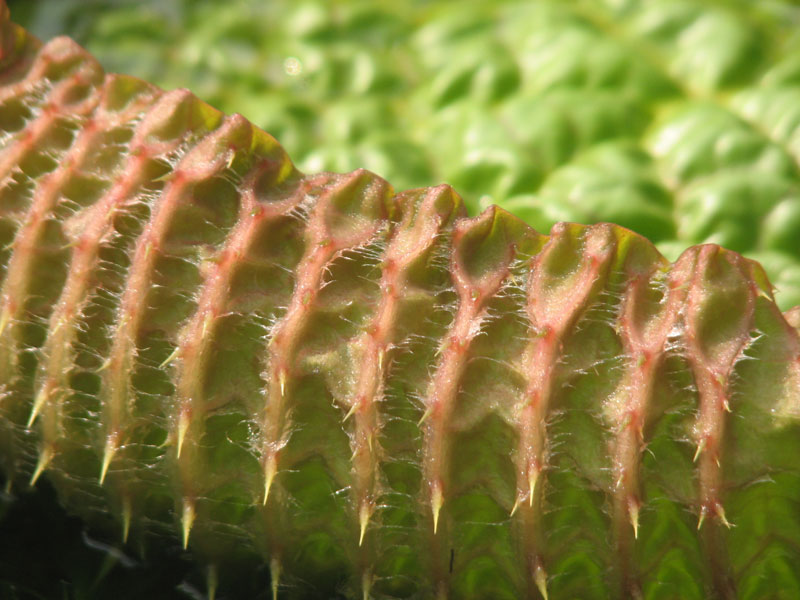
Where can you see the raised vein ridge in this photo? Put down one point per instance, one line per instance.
(371, 392)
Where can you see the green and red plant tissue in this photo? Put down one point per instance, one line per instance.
(367, 391)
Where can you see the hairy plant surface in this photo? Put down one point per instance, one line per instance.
(369, 393)
(675, 118)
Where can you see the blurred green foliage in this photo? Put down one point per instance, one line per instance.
(679, 119)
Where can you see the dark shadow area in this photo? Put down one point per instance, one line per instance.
(47, 554)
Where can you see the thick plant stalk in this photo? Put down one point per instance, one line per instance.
(369, 392)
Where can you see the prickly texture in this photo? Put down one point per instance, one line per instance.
(368, 392)
(675, 118)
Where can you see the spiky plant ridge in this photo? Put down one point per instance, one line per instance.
(370, 392)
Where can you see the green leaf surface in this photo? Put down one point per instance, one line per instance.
(513, 103)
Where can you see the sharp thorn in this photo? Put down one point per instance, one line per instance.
(350, 412)
(540, 577)
(58, 326)
(275, 575)
(45, 456)
(700, 447)
(702, 518)
(533, 476)
(108, 454)
(187, 520)
(38, 403)
(175, 353)
(269, 475)
(369, 441)
(165, 177)
(183, 426)
(721, 515)
(425, 416)
(633, 514)
(515, 507)
(206, 324)
(282, 381)
(363, 520)
(436, 505)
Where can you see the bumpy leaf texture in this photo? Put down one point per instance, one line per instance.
(675, 118)
(369, 393)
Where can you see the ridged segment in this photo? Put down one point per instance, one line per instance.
(649, 310)
(426, 214)
(262, 163)
(563, 277)
(79, 74)
(99, 234)
(482, 255)
(31, 183)
(719, 322)
(208, 158)
(352, 391)
(346, 217)
(52, 383)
